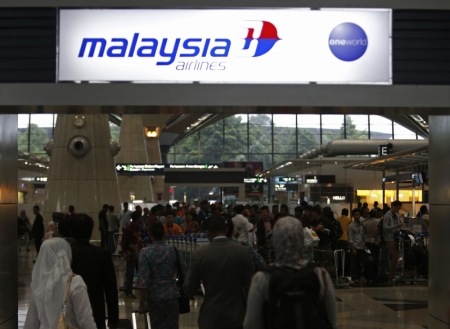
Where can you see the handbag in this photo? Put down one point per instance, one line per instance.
(183, 300)
(62, 324)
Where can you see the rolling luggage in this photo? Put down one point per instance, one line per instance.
(370, 268)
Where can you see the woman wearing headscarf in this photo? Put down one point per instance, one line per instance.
(288, 241)
(48, 284)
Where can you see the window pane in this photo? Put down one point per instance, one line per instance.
(308, 132)
(332, 127)
(260, 133)
(236, 134)
(187, 149)
(380, 127)
(357, 126)
(22, 131)
(266, 159)
(235, 157)
(41, 131)
(401, 132)
(284, 131)
(211, 139)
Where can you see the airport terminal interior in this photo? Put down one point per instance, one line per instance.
(236, 108)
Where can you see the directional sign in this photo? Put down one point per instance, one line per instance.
(140, 169)
(287, 179)
(40, 179)
(255, 180)
(194, 166)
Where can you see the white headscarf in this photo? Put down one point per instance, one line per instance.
(288, 243)
(49, 279)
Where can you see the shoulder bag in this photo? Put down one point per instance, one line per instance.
(183, 299)
(62, 324)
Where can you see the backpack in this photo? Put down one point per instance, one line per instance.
(338, 228)
(294, 299)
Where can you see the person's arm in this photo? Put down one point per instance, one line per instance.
(32, 320)
(143, 280)
(328, 295)
(110, 289)
(81, 306)
(254, 317)
(350, 239)
(193, 278)
(387, 226)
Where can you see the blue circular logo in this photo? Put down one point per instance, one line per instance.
(348, 42)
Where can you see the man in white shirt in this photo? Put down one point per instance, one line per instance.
(125, 216)
(242, 226)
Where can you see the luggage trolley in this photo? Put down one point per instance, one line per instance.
(408, 249)
(330, 261)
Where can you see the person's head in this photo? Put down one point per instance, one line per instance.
(71, 209)
(204, 205)
(254, 209)
(298, 211)
(373, 213)
(65, 227)
(23, 214)
(111, 208)
(379, 213)
(304, 204)
(375, 204)
(125, 206)
(344, 212)
(156, 231)
(315, 212)
(275, 209)
(239, 209)
(169, 219)
(82, 226)
(146, 211)
(51, 226)
(356, 214)
(359, 205)
(154, 210)
(424, 210)
(230, 209)
(264, 212)
(284, 210)
(168, 208)
(136, 218)
(308, 212)
(327, 212)
(188, 218)
(365, 212)
(139, 209)
(105, 207)
(36, 210)
(246, 212)
(216, 227)
(396, 206)
(288, 242)
(365, 205)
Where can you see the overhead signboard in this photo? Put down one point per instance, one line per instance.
(286, 179)
(254, 190)
(144, 169)
(296, 45)
(255, 180)
(320, 179)
(40, 179)
(193, 166)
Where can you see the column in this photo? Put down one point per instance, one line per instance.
(8, 222)
(82, 171)
(134, 150)
(439, 248)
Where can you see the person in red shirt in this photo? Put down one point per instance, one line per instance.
(131, 246)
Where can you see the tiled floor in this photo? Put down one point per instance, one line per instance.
(388, 307)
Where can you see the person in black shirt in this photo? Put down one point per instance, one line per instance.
(103, 226)
(38, 229)
(95, 266)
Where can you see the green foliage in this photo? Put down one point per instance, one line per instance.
(38, 138)
(115, 131)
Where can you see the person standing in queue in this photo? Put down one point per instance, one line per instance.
(391, 227)
(226, 269)
(103, 226)
(38, 230)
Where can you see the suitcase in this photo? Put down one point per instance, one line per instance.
(147, 319)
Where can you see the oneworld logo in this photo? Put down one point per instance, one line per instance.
(168, 50)
(348, 42)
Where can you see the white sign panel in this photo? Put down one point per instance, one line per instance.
(226, 46)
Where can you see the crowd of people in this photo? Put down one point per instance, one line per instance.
(240, 289)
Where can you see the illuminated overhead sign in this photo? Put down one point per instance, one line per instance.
(296, 45)
(157, 169)
(255, 180)
(320, 179)
(338, 197)
(40, 179)
(286, 179)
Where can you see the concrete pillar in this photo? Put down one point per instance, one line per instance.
(8, 222)
(154, 156)
(134, 150)
(86, 181)
(439, 248)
